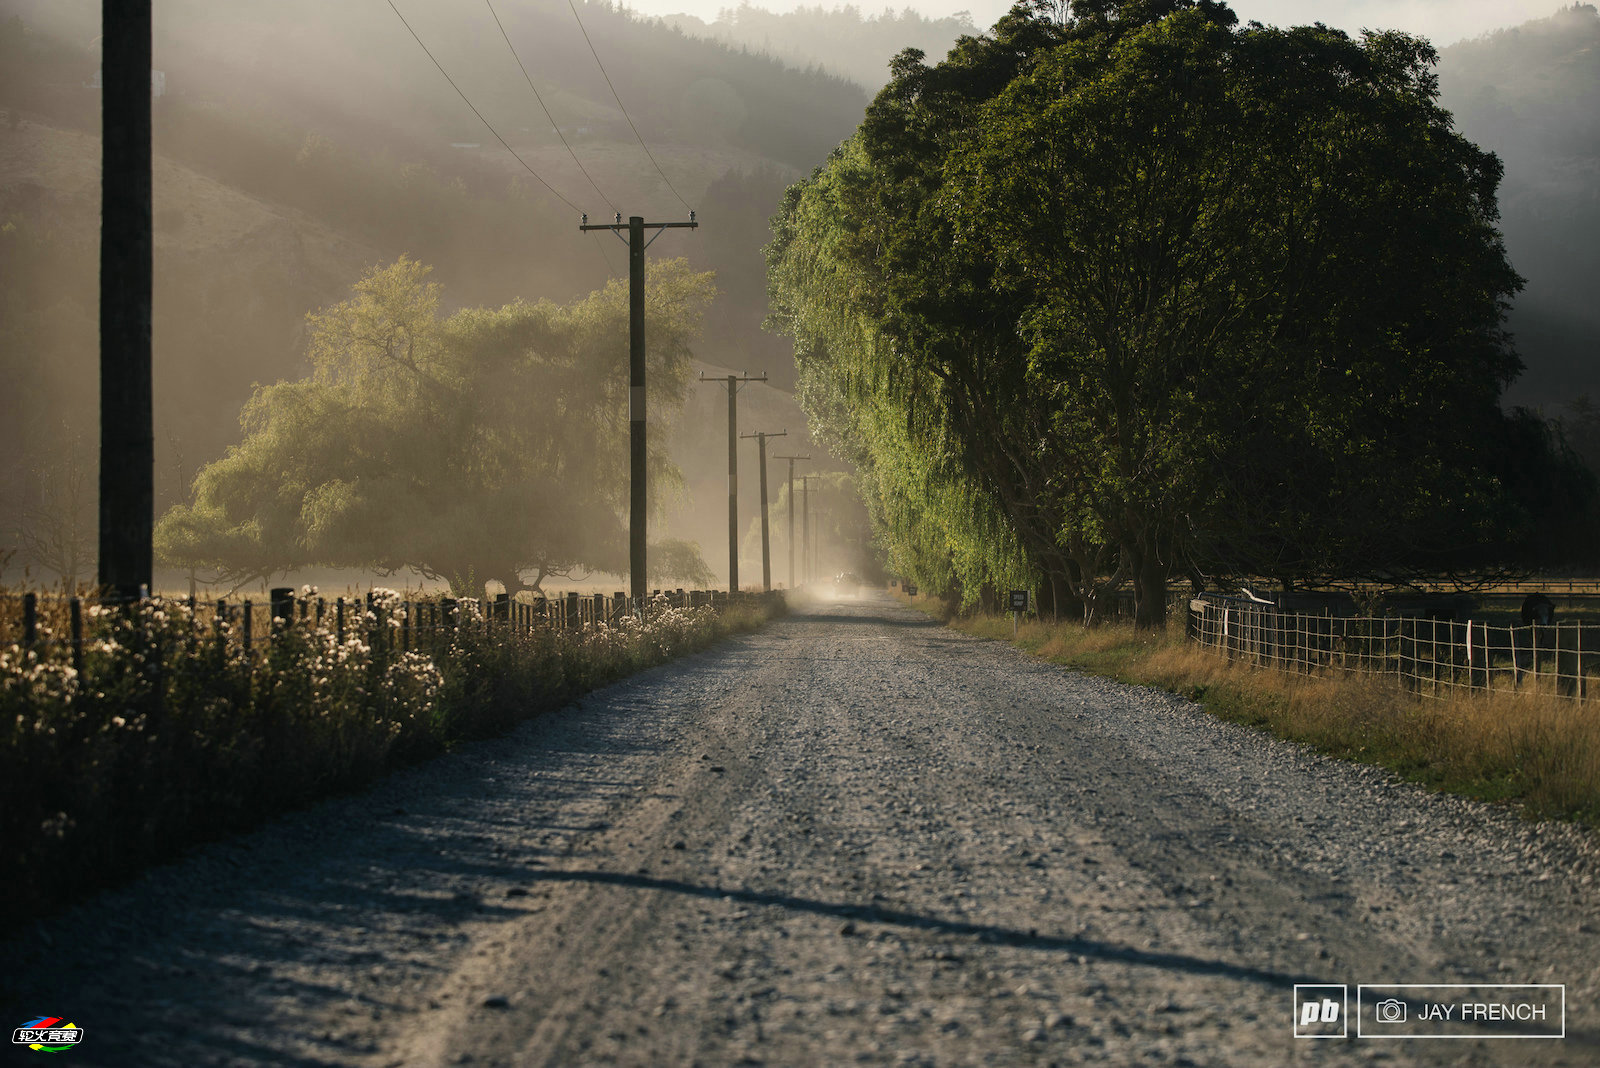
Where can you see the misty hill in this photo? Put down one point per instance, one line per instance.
(841, 40)
(299, 142)
(1529, 94)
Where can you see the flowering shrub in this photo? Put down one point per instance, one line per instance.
(173, 733)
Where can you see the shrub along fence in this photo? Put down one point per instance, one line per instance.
(128, 732)
(34, 621)
(1432, 657)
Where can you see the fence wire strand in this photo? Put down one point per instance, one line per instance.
(1431, 657)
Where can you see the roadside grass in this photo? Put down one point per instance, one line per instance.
(1528, 747)
(171, 735)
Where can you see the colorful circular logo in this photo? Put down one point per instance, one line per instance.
(48, 1034)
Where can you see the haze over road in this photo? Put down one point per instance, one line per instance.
(854, 836)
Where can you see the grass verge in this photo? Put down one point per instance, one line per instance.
(1533, 749)
(172, 734)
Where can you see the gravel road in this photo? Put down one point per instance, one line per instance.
(853, 837)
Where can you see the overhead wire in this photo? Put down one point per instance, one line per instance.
(624, 109)
(602, 250)
(553, 124)
(478, 113)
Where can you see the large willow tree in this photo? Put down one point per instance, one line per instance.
(489, 444)
(1141, 292)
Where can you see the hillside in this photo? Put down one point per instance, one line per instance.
(235, 276)
(1528, 93)
(299, 143)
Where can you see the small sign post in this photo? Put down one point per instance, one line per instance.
(1019, 605)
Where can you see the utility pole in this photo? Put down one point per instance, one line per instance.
(733, 472)
(636, 227)
(127, 435)
(791, 460)
(766, 543)
(805, 520)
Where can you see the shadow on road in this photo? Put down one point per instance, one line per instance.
(988, 933)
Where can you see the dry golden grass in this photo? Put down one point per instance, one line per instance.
(1528, 746)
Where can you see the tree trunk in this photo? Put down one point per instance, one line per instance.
(1149, 591)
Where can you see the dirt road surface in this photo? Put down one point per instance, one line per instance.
(855, 837)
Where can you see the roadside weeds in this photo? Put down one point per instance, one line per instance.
(1528, 747)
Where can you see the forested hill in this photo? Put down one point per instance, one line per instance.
(1529, 94)
(299, 142)
(839, 40)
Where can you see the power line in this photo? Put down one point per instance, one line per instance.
(546, 110)
(478, 113)
(625, 114)
(610, 270)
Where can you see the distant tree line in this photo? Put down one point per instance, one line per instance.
(1135, 292)
(840, 40)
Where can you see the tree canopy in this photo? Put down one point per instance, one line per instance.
(1140, 292)
(483, 445)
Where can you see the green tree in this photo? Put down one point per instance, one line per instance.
(485, 445)
(1147, 293)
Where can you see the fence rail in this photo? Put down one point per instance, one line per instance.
(58, 623)
(1432, 657)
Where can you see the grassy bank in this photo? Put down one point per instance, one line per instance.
(172, 733)
(1533, 749)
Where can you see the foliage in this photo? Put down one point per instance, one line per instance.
(675, 560)
(472, 447)
(841, 39)
(1141, 292)
(173, 734)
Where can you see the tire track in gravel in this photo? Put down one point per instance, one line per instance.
(855, 836)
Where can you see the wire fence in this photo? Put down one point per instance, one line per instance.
(59, 624)
(1431, 657)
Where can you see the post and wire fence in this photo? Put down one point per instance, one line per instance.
(66, 624)
(1431, 657)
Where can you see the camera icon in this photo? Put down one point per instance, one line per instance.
(1390, 1011)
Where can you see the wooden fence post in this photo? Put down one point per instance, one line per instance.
(30, 620)
(282, 606)
(75, 611)
(249, 623)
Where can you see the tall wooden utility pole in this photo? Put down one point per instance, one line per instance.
(791, 460)
(766, 542)
(127, 435)
(636, 226)
(805, 520)
(733, 473)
